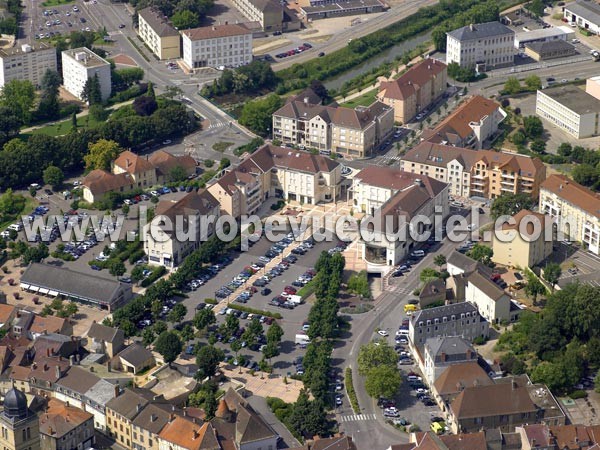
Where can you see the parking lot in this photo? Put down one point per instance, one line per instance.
(576, 263)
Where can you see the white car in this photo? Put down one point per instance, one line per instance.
(154, 193)
(167, 141)
(128, 202)
(383, 333)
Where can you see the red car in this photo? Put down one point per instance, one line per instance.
(289, 290)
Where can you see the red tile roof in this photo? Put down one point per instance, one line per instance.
(217, 31)
(412, 80)
(574, 193)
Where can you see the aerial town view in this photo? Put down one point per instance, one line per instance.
(303, 224)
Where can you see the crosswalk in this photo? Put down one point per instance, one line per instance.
(402, 290)
(357, 417)
(217, 125)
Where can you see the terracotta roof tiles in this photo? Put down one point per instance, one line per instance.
(412, 80)
(574, 193)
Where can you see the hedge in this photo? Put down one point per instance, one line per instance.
(260, 312)
(307, 289)
(155, 275)
(351, 392)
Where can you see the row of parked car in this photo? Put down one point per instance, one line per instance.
(295, 51)
(209, 272)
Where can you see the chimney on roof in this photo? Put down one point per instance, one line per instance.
(67, 403)
(117, 390)
(419, 182)
(152, 417)
(138, 407)
(513, 384)
(214, 28)
(77, 358)
(172, 407)
(171, 417)
(472, 27)
(443, 356)
(184, 412)
(306, 100)
(57, 371)
(71, 360)
(45, 367)
(91, 368)
(48, 351)
(50, 431)
(469, 353)
(34, 366)
(127, 162)
(195, 434)
(108, 366)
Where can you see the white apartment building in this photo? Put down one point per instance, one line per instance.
(392, 198)
(574, 208)
(584, 14)
(220, 45)
(481, 46)
(571, 109)
(27, 62)
(80, 64)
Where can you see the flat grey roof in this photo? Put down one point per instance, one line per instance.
(573, 98)
(341, 6)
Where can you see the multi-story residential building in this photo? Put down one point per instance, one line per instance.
(472, 173)
(458, 319)
(158, 33)
(81, 64)
(217, 46)
(470, 125)
(148, 424)
(393, 198)
(415, 90)
(305, 122)
(444, 351)
(454, 378)
(491, 300)
(131, 171)
(270, 14)
(105, 340)
(169, 245)
(481, 46)
(277, 172)
(583, 14)
(574, 208)
(65, 427)
(571, 109)
(121, 411)
(504, 405)
(529, 244)
(27, 62)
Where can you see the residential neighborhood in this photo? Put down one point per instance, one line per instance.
(260, 224)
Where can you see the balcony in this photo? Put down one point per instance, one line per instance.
(510, 183)
(508, 175)
(511, 190)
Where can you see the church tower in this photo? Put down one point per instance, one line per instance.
(19, 426)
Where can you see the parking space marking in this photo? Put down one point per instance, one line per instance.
(357, 417)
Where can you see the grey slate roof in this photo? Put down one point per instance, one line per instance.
(78, 380)
(102, 392)
(444, 311)
(152, 418)
(69, 282)
(467, 265)
(159, 23)
(589, 10)
(451, 346)
(101, 332)
(480, 31)
(135, 354)
(130, 403)
(549, 46)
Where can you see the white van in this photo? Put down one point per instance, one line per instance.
(418, 253)
(16, 226)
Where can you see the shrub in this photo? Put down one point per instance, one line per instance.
(578, 394)
(260, 312)
(210, 301)
(351, 392)
(155, 275)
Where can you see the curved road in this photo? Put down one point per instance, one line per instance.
(369, 25)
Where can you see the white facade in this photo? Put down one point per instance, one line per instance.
(493, 309)
(481, 46)
(26, 63)
(580, 124)
(223, 45)
(584, 14)
(543, 35)
(79, 65)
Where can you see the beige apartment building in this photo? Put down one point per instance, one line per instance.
(525, 249)
(476, 173)
(268, 13)
(158, 34)
(305, 122)
(574, 208)
(415, 90)
(27, 62)
(277, 172)
(163, 245)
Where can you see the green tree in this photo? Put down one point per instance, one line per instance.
(552, 273)
(98, 113)
(428, 274)
(18, 96)
(92, 93)
(35, 254)
(177, 174)
(257, 114)
(10, 124)
(565, 149)
(533, 83)
(383, 381)
(101, 154)
(538, 146)
(177, 314)
(148, 336)
(184, 20)
(204, 318)
(71, 309)
(534, 287)
(160, 327)
(210, 404)
(586, 174)
(371, 356)
(274, 333)
(236, 346)
(481, 253)
(518, 138)
(439, 260)
(512, 86)
(207, 360)
(187, 333)
(536, 7)
(359, 284)
(551, 374)
(168, 345)
(53, 176)
(116, 268)
(510, 204)
(49, 106)
(533, 127)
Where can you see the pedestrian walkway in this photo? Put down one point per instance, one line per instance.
(358, 418)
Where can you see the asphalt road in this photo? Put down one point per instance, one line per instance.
(368, 26)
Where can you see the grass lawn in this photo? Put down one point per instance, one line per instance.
(221, 146)
(61, 128)
(364, 100)
(48, 3)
